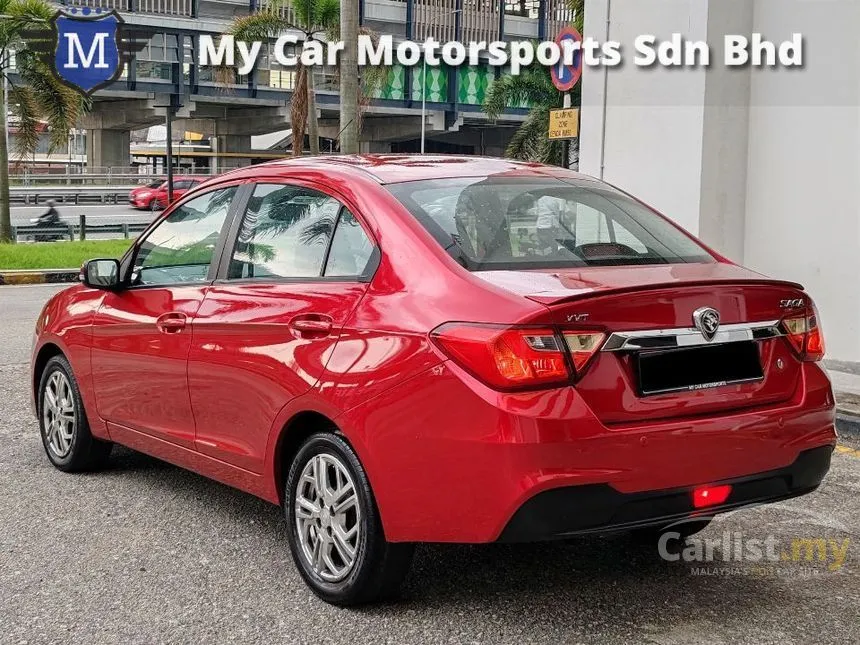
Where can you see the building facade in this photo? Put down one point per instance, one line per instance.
(763, 164)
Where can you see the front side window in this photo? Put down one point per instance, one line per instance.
(180, 249)
(287, 232)
(543, 222)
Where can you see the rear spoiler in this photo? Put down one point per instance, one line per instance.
(580, 294)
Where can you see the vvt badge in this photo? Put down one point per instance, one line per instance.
(87, 54)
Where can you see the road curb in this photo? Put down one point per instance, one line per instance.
(38, 276)
(848, 424)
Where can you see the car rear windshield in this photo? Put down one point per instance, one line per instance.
(542, 222)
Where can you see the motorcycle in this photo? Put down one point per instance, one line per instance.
(49, 220)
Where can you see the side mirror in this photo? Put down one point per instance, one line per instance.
(101, 274)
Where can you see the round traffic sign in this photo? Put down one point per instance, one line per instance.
(564, 77)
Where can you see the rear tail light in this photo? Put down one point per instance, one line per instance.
(509, 358)
(804, 335)
(504, 357)
(583, 345)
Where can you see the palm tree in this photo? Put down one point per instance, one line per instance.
(312, 18)
(534, 87)
(349, 84)
(36, 97)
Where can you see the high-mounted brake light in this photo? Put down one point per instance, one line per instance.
(505, 357)
(804, 334)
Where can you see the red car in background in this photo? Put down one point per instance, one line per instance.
(404, 349)
(153, 196)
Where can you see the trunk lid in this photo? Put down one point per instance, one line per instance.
(666, 368)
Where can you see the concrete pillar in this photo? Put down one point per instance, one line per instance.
(108, 148)
(675, 137)
(371, 147)
(803, 193)
(761, 163)
(226, 143)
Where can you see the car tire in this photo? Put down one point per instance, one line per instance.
(344, 571)
(154, 206)
(63, 424)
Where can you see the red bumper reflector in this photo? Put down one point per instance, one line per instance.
(710, 495)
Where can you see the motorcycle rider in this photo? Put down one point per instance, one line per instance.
(48, 219)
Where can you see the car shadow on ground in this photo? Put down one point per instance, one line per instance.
(598, 578)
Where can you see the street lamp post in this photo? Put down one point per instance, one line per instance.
(5, 107)
(423, 101)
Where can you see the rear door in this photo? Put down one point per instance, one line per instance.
(142, 334)
(295, 268)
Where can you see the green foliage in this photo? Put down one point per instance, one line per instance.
(313, 18)
(534, 87)
(58, 255)
(40, 97)
(310, 17)
(578, 8)
(530, 141)
(35, 95)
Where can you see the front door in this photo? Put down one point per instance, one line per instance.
(142, 334)
(292, 278)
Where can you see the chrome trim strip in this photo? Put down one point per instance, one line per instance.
(627, 341)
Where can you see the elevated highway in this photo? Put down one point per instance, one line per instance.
(230, 110)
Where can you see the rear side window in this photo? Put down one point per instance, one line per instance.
(295, 232)
(543, 222)
(351, 249)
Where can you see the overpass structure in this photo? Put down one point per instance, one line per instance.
(230, 110)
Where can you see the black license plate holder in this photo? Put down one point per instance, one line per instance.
(698, 368)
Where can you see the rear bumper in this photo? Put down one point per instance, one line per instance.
(573, 510)
(450, 460)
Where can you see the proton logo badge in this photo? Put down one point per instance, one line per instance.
(87, 55)
(707, 321)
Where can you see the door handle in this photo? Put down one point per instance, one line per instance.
(311, 326)
(171, 323)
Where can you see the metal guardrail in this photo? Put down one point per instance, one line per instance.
(77, 231)
(34, 195)
(82, 179)
(168, 7)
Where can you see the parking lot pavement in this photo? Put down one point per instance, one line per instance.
(148, 553)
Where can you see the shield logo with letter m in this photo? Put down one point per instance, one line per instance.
(87, 54)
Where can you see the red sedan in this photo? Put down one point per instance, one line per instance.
(153, 196)
(437, 349)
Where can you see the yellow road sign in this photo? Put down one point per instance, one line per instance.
(564, 124)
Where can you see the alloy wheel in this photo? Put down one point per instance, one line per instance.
(328, 517)
(58, 415)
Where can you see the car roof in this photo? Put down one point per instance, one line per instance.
(395, 168)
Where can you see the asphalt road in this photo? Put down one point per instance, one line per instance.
(148, 553)
(96, 213)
